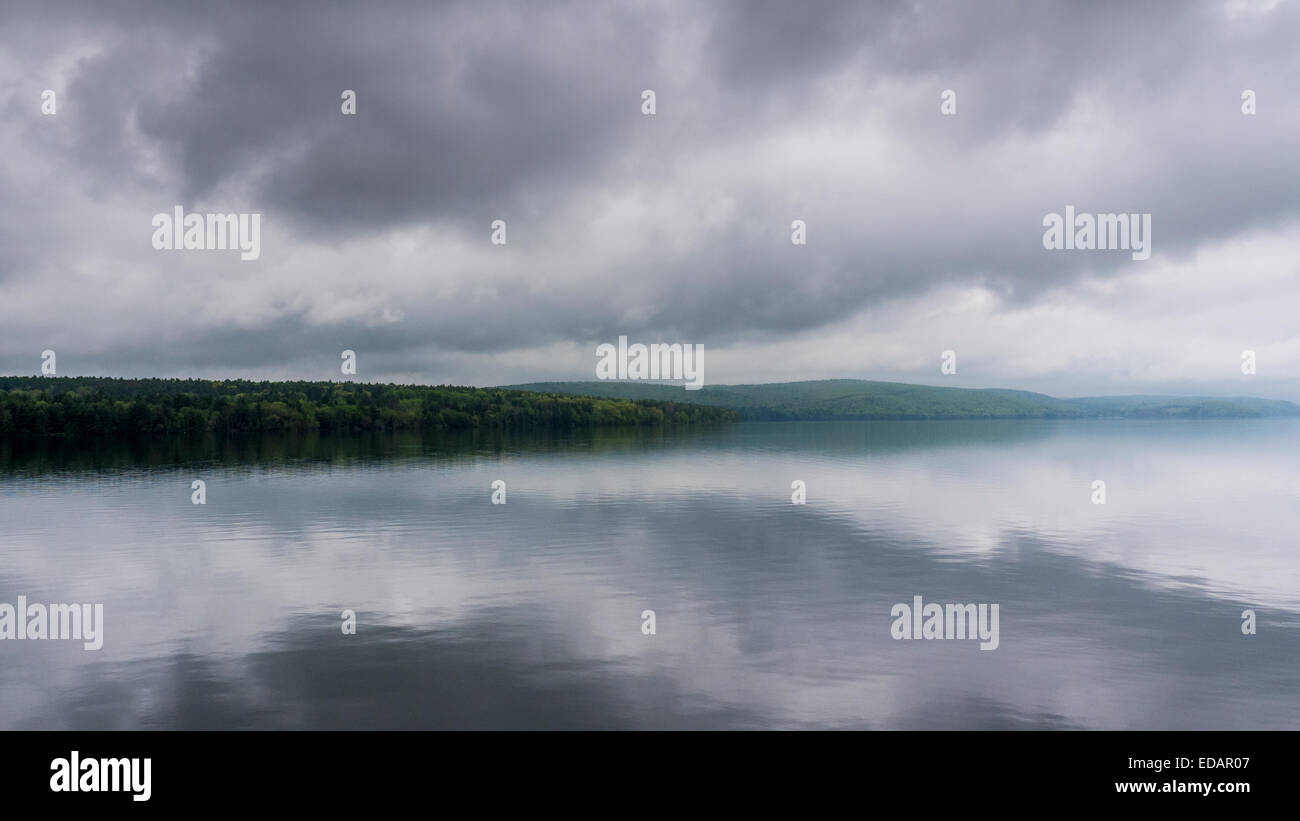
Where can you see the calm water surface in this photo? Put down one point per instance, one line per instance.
(768, 614)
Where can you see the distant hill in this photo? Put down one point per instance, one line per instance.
(861, 399)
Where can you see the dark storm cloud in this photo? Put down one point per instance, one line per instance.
(470, 107)
(464, 106)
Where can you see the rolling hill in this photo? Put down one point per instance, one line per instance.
(863, 399)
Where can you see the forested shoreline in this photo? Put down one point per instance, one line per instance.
(94, 407)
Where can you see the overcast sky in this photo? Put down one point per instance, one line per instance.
(924, 230)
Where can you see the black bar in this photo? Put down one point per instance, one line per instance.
(333, 770)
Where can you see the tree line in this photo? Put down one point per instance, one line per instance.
(92, 407)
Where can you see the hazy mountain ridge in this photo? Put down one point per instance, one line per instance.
(865, 399)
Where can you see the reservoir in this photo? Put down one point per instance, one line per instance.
(768, 614)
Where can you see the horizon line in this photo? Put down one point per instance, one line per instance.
(654, 382)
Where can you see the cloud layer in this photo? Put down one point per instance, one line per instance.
(924, 230)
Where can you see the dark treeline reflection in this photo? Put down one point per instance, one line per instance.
(53, 456)
(36, 457)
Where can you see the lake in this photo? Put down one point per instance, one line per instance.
(767, 614)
